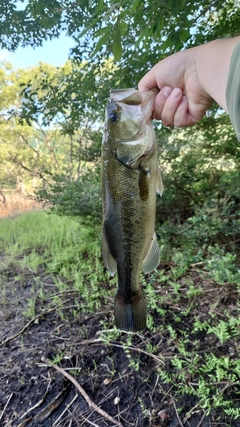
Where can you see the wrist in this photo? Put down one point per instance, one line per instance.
(212, 65)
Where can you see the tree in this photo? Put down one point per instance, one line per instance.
(114, 43)
(46, 140)
(137, 33)
(30, 147)
(124, 28)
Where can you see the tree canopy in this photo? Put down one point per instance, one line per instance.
(137, 33)
(115, 43)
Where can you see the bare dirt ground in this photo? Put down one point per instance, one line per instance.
(32, 393)
(14, 203)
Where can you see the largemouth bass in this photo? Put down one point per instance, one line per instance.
(130, 180)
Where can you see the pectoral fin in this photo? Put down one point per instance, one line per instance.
(159, 182)
(153, 257)
(108, 259)
(143, 183)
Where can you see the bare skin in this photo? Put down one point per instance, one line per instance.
(189, 81)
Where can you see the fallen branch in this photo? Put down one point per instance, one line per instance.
(91, 404)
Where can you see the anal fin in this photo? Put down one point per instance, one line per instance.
(153, 257)
(109, 261)
(159, 188)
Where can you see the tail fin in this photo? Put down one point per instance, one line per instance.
(130, 315)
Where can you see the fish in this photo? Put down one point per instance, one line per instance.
(130, 181)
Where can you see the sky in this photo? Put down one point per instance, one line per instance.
(54, 52)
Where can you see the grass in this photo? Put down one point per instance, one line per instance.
(61, 244)
(64, 247)
(193, 303)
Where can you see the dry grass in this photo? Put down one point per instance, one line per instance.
(16, 203)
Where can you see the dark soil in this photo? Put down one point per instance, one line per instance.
(34, 394)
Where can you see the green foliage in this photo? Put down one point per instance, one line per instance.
(71, 98)
(79, 197)
(59, 243)
(224, 330)
(51, 121)
(200, 166)
(136, 34)
(61, 246)
(47, 142)
(197, 348)
(124, 28)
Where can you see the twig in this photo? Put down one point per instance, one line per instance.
(137, 349)
(180, 422)
(37, 404)
(200, 422)
(89, 422)
(122, 332)
(227, 383)
(66, 409)
(54, 404)
(192, 411)
(38, 316)
(5, 407)
(101, 402)
(112, 343)
(197, 263)
(91, 404)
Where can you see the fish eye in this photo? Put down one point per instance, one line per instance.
(113, 116)
(112, 111)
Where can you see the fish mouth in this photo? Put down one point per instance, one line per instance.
(135, 97)
(127, 96)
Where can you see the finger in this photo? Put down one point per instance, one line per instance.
(188, 114)
(160, 100)
(148, 81)
(170, 106)
(182, 116)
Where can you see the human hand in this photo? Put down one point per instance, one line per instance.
(181, 101)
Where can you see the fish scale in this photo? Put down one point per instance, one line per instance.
(130, 179)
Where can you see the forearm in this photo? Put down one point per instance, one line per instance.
(212, 66)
